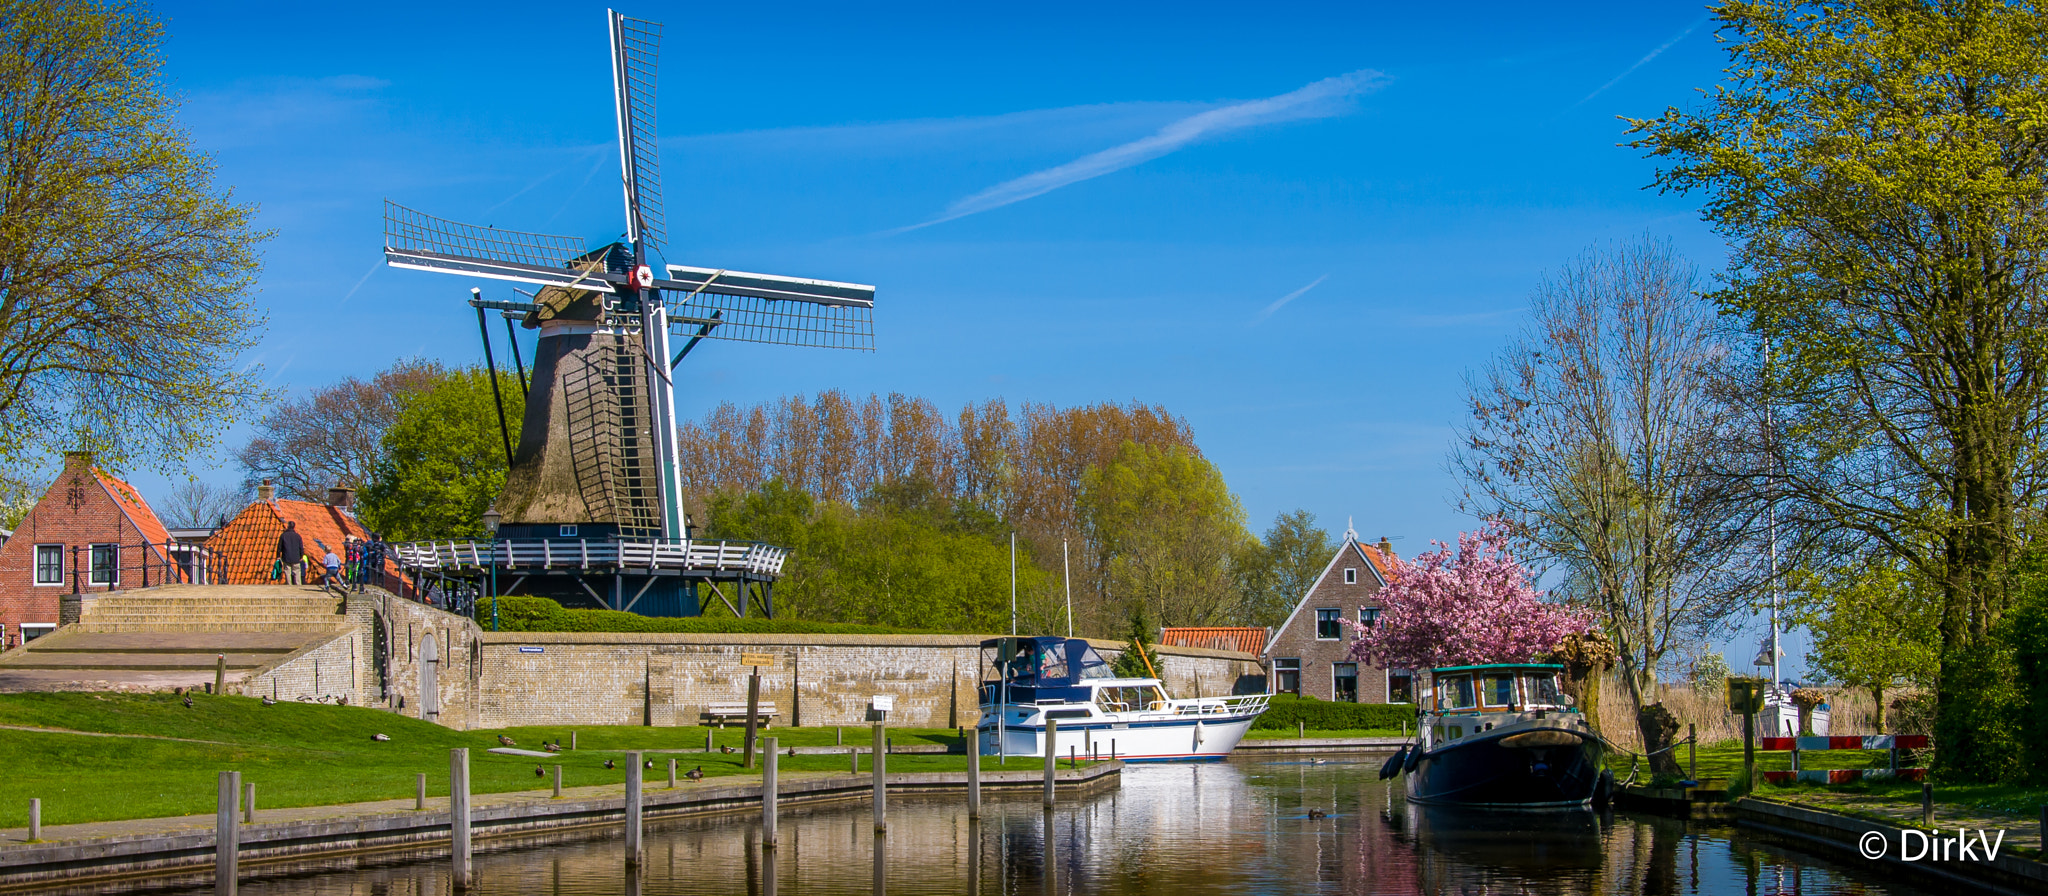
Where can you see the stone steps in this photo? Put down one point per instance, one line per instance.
(141, 662)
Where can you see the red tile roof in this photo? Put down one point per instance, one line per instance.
(1243, 640)
(245, 550)
(137, 510)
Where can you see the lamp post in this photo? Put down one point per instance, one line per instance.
(491, 519)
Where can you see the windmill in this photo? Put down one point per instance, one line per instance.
(596, 467)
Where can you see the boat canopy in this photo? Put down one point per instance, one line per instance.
(1499, 667)
(1042, 669)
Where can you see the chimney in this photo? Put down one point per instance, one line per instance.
(266, 492)
(341, 497)
(1386, 548)
(77, 460)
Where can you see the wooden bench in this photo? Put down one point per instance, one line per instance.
(737, 712)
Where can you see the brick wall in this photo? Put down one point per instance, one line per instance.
(1297, 637)
(331, 670)
(640, 679)
(75, 512)
(394, 632)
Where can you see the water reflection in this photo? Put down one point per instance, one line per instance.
(1245, 827)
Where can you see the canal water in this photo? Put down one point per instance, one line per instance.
(1248, 826)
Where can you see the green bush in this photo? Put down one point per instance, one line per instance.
(1288, 710)
(539, 614)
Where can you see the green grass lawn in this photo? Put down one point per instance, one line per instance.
(306, 754)
(1289, 734)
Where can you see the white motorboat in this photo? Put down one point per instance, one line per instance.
(1033, 681)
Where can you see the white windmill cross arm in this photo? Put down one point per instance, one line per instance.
(418, 260)
(694, 280)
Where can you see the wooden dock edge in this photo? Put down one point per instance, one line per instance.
(189, 855)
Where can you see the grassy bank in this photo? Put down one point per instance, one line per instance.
(1289, 734)
(101, 757)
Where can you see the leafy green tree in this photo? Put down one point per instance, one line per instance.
(123, 270)
(16, 500)
(1878, 168)
(443, 459)
(908, 556)
(1138, 659)
(1165, 529)
(1277, 570)
(1873, 626)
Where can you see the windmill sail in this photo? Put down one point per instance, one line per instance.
(635, 44)
(740, 307)
(420, 241)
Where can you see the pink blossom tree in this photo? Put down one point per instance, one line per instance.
(1457, 609)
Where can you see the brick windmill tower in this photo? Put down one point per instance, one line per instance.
(592, 511)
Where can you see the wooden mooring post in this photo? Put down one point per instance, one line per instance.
(1052, 756)
(35, 819)
(419, 793)
(249, 803)
(768, 793)
(881, 764)
(635, 850)
(227, 836)
(458, 816)
(974, 785)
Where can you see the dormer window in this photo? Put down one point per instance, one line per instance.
(1350, 575)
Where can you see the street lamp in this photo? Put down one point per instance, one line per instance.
(491, 519)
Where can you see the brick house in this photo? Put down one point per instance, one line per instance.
(1309, 653)
(91, 532)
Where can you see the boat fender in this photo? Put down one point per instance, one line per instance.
(1603, 790)
(1392, 766)
(1414, 758)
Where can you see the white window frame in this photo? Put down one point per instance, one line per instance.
(1294, 667)
(92, 570)
(1413, 681)
(1336, 618)
(37, 574)
(1334, 677)
(40, 629)
(1350, 575)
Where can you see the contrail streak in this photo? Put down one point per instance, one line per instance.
(1640, 62)
(1288, 298)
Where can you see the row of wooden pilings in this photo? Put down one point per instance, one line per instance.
(228, 831)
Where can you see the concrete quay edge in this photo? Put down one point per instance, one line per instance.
(186, 844)
(1838, 833)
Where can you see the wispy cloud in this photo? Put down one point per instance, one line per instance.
(1322, 99)
(1268, 312)
(1641, 62)
(359, 283)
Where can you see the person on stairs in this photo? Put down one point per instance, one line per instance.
(291, 552)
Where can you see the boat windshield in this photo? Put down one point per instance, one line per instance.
(1091, 663)
(1456, 693)
(1542, 689)
(1052, 663)
(1499, 690)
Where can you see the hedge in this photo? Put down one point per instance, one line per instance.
(1286, 711)
(539, 614)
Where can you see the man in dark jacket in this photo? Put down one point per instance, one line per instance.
(291, 551)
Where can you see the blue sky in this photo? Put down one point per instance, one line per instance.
(1298, 226)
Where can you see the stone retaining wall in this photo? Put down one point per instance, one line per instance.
(670, 679)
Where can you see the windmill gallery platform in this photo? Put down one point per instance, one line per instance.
(380, 650)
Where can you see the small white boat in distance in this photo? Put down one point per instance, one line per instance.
(1030, 681)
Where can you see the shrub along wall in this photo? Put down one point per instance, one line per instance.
(1288, 710)
(539, 614)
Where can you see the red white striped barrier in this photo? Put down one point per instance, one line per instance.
(1891, 742)
(1852, 742)
(1844, 775)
